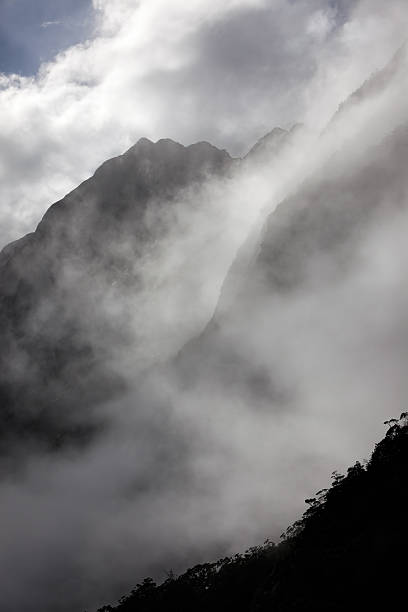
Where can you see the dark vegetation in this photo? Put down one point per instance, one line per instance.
(347, 552)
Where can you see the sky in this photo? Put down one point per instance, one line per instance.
(34, 32)
(75, 93)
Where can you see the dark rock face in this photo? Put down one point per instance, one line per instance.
(52, 367)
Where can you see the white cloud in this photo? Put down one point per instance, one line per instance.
(47, 24)
(321, 23)
(223, 72)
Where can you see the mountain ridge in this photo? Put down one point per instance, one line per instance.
(78, 236)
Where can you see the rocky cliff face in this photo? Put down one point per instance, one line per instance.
(59, 286)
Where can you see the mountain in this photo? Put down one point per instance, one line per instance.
(376, 84)
(321, 241)
(216, 414)
(346, 552)
(60, 286)
(309, 338)
(271, 144)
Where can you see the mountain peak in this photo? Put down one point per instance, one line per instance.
(271, 139)
(271, 143)
(84, 233)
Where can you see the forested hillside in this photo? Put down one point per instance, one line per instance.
(347, 552)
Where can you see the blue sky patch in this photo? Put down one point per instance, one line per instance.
(34, 31)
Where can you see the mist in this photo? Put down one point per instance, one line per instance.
(257, 330)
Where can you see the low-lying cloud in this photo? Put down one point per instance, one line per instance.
(286, 385)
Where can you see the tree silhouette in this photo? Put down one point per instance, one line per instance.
(341, 555)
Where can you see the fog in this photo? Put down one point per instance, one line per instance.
(260, 341)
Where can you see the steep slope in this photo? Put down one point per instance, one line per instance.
(376, 84)
(317, 250)
(62, 286)
(318, 269)
(271, 144)
(346, 552)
